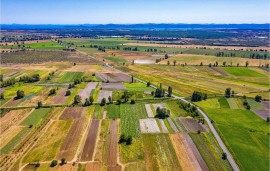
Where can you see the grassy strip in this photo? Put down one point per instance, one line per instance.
(167, 124)
(35, 116)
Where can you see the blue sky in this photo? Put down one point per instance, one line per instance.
(134, 11)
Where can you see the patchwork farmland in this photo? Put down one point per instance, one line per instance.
(62, 116)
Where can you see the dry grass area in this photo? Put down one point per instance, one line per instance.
(199, 46)
(149, 126)
(25, 42)
(9, 134)
(185, 154)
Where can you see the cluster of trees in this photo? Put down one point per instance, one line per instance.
(77, 99)
(246, 104)
(8, 82)
(190, 109)
(160, 92)
(258, 98)
(198, 96)
(162, 113)
(27, 79)
(1, 77)
(131, 49)
(151, 50)
(229, 93)
(125, 139)
(2, 97)
(50, 75)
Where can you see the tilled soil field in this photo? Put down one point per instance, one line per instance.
(60, 97)
(192, 125)
(189, 159)
(104, 94)
(93, 166)
(113, 86)
(85, 93)
(163, 126)
(105, 77)
(172, 125)
(69, 146)
(119, 77)
(90, 142)
(160, 105)
(149, 126)
(266, 104)
(73, 113)
(262, 113)
(112, 146)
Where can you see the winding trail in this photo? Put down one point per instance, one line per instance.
(212, 128)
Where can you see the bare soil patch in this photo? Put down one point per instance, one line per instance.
(192, 125)
(262, 113)
(104, 77)
(149, 126)
(93, 166)
(9, 134)
(64, 167)
(112, 145)
(104, 94)
(189, 160)
(73, 113)
(60, 97)
(90, 142)
(69, 146)
(85, 93)
(11, 102)
(266, 104)
(113, 86)
(119, 77)
(160, 105)
(149, 111)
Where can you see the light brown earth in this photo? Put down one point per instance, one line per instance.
(93, 166)
(187, 158)
(65, 167)
(192, 125)
(26, 42)
(60, 97)
(90, 142)
(9, 134)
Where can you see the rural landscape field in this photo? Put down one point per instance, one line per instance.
(134, 97)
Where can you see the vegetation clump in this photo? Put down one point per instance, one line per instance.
(198, 96)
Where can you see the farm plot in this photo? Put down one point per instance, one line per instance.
(262, 113)
(187, 153)
(90, 142)
(104, 94)
(113, 86)
(163, 126)
(70, 76)
(36, 116)
(160, 105)
(113, 146)
(172, 125)
(255, 105)
(60, 97)
(175, 110)
(93, 166)
(49, 144)
(69, 146)
(138, 86)
(104, 77)
(159, 153)
(149, 111)
(129, 120)
(119, 77)
(13, 117)
(73, 113)
(149, 126)
(232, 103)
(242, 72)
(192, 125)
(266, 104)
(85, 93)
(9, 134)
(113, 111)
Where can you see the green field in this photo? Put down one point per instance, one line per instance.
(246, 136)
(242, 72)
(40, 45)
(113, 111)
(223, 103)
(129, 120)
(35, 116)
(116, 59)
(255, 105)
(70, 76)
(137, 87)
(175, 110)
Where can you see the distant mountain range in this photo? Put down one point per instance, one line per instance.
(148, 26)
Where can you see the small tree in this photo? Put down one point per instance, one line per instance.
(39, 104)
(224, 156)
(132, 101)
(174, 62)
(166, 56)
(169, 91)
(118, 101)
(126, 95)
(132, 79)
(168, 62)
(199, 131)
(148, 84)
(87, 102)
(122, 138)
(129, 140)
(68, 92)
(52, 91)
(103, 102)
(248, 107)
(53, 163)
(63, 161)
(77, 99)
(258, 98)
(228, 92)
(20, 94)
(91, 99)
(110, 99)
(268, 119)
(37, 164)
(247, 63)
(2, 97)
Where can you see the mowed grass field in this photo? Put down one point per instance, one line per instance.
(35, 116)
(52, 45)
(245, 134)
(242, 72)
(70, 76)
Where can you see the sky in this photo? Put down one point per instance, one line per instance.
(134, 11)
